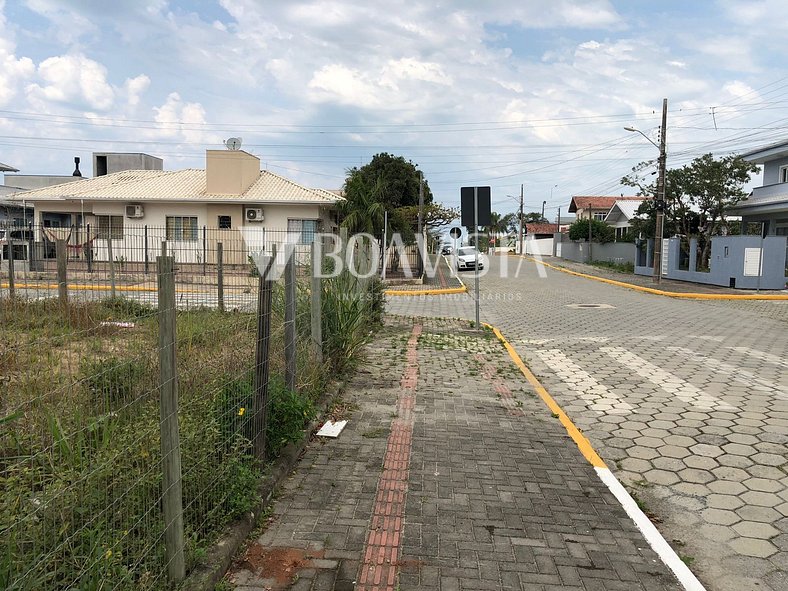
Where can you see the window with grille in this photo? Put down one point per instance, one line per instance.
(110, 226)
(225, 222)
(301, 231)
(181, 228)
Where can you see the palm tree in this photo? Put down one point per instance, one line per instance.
(363, 209)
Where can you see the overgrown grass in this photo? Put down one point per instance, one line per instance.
(80, 459)
(620, 267)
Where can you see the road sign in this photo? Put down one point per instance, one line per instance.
(455, 232)
(467, 206)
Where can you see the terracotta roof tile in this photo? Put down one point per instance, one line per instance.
(541, 228)
(601, 202)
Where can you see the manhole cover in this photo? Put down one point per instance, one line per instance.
(584, 306)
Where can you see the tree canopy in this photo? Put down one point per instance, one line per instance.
(389, 183)
(698, 197)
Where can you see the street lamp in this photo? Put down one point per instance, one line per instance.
(659, 198)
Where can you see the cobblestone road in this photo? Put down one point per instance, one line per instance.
(686, 400)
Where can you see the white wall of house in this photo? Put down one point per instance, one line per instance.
(538, 246)
(236, 241)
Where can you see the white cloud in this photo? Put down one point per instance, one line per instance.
(73, 79)
(14, 71)
(336, 82)
(68, 24)
(134, 87)
(182, 120)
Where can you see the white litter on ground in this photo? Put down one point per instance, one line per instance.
(332, 429)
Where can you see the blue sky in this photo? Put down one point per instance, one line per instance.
(476, 93)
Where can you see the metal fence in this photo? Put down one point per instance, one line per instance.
(134, 426)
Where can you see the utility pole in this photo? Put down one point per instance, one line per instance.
(543, 204)
(590, 222)
(521, 219)
(423, 248)
(659, 201)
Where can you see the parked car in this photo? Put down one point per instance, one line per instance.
(447, 250)
(467, 257)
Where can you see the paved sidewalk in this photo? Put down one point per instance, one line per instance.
(451, 474)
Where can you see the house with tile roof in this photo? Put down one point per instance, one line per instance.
(190, 210)
(621, 214)
(598, 206)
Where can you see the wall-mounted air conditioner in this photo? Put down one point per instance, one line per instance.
(134, 211)
(254, 215)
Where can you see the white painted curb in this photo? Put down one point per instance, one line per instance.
(652, 535)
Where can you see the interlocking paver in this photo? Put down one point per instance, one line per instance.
(702, 351)
(496, 496)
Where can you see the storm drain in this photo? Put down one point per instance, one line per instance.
(585, 306)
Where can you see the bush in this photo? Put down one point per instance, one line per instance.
(115, 382)
(600, 231)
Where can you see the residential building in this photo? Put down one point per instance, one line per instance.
(598, 206)
(231, 195)
(768, 204)
(621, 214)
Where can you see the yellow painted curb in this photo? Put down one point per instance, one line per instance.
(669, 294)
(88, 287)
(423, 292)
(583, 444)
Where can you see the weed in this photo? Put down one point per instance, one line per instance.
(374, 433)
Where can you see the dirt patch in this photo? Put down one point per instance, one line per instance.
(278, 564)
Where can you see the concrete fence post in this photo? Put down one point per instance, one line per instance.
(261, 361)
(111, 263)
(316, 293)
(11, 286)
(62, 280)
(172, 499)
(290, 320)
(220, 276)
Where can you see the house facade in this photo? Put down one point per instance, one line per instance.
(621, 214)
(768, 204)
(188, 211)
(595, 206)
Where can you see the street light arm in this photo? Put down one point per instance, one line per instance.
(653, 143)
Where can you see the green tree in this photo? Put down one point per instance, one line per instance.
(600, 231)
(698, 196)
(387, 183)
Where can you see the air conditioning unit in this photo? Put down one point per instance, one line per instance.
(254, 215)
(134, 211)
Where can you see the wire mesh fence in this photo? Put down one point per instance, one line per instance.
(134, 427)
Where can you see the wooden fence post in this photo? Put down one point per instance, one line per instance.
(220, 275)
(62, 280)
(111, 263)
(290, 327)
(316, 292)
(172, 500)
(261, 358)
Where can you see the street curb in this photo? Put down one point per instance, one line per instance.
(654, 538)
(219, 557)
(669, 294)
(424, 292)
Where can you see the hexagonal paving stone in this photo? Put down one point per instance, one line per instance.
(652, 442)
(673, 451)
(769, 459)
(672, 464)
(703, 449)
(735, 461)
(644, 453)
(727, 487)
(692, 488)
(718, 501)
(739, 449)
(662, 477)
(720, 516)
(783, 509)
(701, 462)
(680, 440)
(760, 514)
(742, 438)
(719, 533)
(761, 499)
(754, 529)
(635, 465)
(763, 485)
(768, 472)
(728, 473)
(694, 475)
(753, 547)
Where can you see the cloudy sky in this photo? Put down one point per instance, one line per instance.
(500, 93)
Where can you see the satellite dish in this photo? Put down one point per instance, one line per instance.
(233, 143)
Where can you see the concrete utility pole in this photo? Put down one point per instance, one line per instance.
(659, 197)
(521, 219)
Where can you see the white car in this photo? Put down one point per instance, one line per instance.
(466, 258)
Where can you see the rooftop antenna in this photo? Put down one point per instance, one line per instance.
(233, 143)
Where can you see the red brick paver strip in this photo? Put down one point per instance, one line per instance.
(378, 571)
